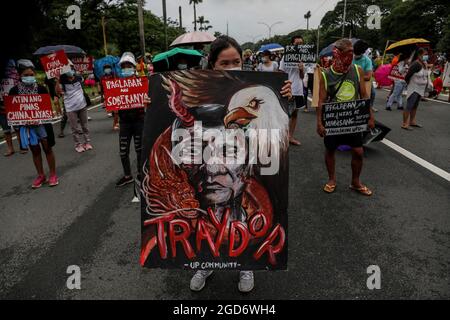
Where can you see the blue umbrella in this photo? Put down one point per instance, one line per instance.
(270, 47)
(108, 60)
(72, 50)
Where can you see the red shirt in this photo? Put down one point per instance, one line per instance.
(438, 84)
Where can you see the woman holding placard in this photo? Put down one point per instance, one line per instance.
(33, 136)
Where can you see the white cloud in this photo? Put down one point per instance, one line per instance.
(243, 15)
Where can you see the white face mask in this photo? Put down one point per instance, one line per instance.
(234, 69)
(182, 66)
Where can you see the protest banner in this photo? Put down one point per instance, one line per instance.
(55, 64)
(83, 65)
(200, 208)
(294, 54)
(446, 76)
(395, 73)
(28, 109)
(125, 93)
(346, 117)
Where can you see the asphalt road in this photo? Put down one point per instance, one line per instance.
(404, 228)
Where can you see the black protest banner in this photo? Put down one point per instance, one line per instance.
(294, 54)
(346, 117)
(203, 208)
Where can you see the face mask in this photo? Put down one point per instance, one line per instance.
(70, 73)
(28, 79)
(127, 72)
(341, 61)
(182, 66)
(108, 71)
(425, 58)
(265, 59)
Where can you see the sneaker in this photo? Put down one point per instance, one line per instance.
(89, 118)
(388, 108)
(400, 108)
(246, 281)
(53, 181)
(37, 183)
(124, 181)
(79, 148)
(198, 281)
(88, 146)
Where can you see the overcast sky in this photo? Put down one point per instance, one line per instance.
(243, 15)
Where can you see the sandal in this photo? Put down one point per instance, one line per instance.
(329, 188)
(8, 154)
(23, 151)
(362, 190)
(407, 128)
(416, 125)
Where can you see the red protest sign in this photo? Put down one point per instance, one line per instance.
(83, 64)
(125, 93)
(55, 64)
(28, 109)
(395, 73)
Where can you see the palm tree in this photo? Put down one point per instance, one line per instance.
(307, 16)
(195, 2)
(201, 21)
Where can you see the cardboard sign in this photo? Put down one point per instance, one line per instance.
(28, 109)
(55, 64)
(83, 65)
(316, 87)
(199, 213)
(305, 53)
(346, 117)
(125, 93)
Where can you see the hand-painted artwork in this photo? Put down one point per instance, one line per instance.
(215, 171)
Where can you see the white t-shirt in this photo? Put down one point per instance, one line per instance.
(74, 97)
(294, 76)
(272, 68)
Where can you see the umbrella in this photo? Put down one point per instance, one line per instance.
(193, 37)
(328, 51)
(376, 134)
(166, 61)
(271, 47)
(407, 42)
(108, 60)
(70, 50)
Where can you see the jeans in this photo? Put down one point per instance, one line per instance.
(128, 130)
(396, 95)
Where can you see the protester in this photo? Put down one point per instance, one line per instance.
(343, 82)
(108, 74)
(438, 85)
(140, 67)
(417, 80)
(226, 54)
(33, 135)
(399, 84)
(131, 124)
(362, 60)
(248, 64)
(267, 64)
(295, 75)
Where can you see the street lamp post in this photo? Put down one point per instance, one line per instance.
(270, 27)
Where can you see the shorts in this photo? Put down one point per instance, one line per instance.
(413, 101)
(354, 140)
(299, 101)
(4, 123)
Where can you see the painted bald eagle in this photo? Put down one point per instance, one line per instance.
(248, 106)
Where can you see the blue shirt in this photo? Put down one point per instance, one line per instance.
(364, 62)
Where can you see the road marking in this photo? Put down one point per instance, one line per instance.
(411, 156)
(57, 121)
(427, 99)
(429, 166)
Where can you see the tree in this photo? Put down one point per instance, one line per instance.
(307, 16)
(195, 3)
(202, 21)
